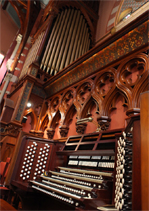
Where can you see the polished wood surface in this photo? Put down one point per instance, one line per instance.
(145, 150)
(5, 205)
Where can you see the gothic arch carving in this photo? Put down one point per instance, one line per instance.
(83, 95)
(64, 128)
(131, 71)
(55, 120)
(86, 110)
(110, 100)
(33, 117)
(66, 103)
(143, 86)
(105, 82)
(44, 122)
(54, 105)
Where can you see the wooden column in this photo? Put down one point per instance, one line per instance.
(22, 101)
(144, 118)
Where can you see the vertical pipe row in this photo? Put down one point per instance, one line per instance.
(68, 41)
(64, 40)
(48, 45)
(62, 19)
(82, 40)
(70, 51)
(52, 43)
(76, 40)
(79, 39)
(55, 64)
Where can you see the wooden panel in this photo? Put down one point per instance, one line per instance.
(5, 206)
(144, 114)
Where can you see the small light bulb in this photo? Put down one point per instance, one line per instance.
(29, 104)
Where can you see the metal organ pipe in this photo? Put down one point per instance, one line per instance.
(56, 58)
(79, 39)
(62, 18)
(52, 43)
(48, 45)
(82, 40)
(64, 40)
(69, 40)
(72, 40)
(76, 40)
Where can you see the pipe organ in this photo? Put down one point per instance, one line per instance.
(95, 171)
(68, 40)
(32, 54)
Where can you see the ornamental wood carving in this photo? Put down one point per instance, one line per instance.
(126, 82)
(104, 83)
(66, 103)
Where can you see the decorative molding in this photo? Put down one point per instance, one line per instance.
(11, 129)
(38, 133)
(38, 91)
(63, 131)
(128, 43)
(50, 133)
(23, 101)
(104, 122)
(80, 129)
(33, 71)
(132, 111)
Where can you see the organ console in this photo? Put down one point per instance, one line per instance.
(88, 172)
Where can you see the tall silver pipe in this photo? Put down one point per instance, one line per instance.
(48, 45)
(56, 58)
(64, 40)
(72, 40)
(85, 41)
(58, 38)
(68, 41)
(76, 39)
(82, 41)
(51, 45)
(79, 39)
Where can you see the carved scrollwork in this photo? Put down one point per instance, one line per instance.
(104, 122)
(12, 129)
(104, 84)
(38, 133)
(83, 93)
(53, 106)
(132, 72)
(67, 100)
(80, 129)
(63, 130)
(50, 133)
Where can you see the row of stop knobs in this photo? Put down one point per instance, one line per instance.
(123, 184)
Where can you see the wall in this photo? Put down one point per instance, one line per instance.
(8, 31)
(105, 8)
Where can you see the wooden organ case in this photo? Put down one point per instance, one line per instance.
(97, 171)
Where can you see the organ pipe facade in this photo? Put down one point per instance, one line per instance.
(68, 40)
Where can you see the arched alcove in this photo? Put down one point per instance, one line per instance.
(117, 112)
